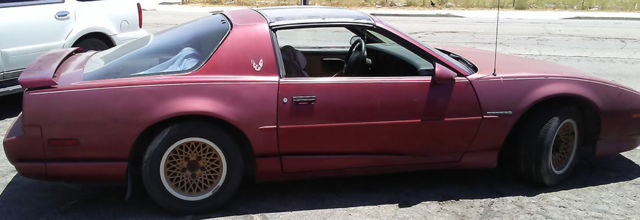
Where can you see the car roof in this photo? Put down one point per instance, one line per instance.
(293, 15)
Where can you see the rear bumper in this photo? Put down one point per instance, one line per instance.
(23, 146)
(128, 36)
(74, 171)
(23, 143)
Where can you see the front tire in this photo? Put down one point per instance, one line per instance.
(549, 144)
(192, 167)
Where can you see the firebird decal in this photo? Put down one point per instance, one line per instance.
(257, 66)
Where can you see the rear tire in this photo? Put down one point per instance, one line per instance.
(548, 145)
(92, 44)
(192, 167)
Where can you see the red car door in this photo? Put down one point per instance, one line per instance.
(329, 123)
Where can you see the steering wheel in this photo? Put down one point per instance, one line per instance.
(356, 58)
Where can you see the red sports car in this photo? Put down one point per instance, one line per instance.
(282, 93)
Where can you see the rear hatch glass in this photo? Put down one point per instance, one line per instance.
(178, 50)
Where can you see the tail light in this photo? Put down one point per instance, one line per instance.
(139, 15)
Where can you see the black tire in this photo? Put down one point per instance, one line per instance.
(536, 146)
(92, 44)
(166, 191)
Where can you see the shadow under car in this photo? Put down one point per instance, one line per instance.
(28, 198)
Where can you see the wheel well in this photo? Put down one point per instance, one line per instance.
(590, 116)
(144, 139)
(97, 35)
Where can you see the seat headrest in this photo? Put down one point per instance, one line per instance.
(290, 54)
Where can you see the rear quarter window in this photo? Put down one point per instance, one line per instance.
(178, 50)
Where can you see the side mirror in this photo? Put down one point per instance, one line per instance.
(443, 75)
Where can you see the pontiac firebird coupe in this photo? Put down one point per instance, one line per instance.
(282, 93)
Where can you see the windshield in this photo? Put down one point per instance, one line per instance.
(447, 57)
(177, 50)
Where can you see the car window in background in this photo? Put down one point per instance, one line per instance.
(330, 37)
(181, 49)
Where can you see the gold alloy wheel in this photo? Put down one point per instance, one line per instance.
(565, 143)
(193, 169)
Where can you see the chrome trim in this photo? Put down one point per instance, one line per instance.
(360, 80)
(360, 123)
(267, 127)
(312, 21)
(150, 85)
(351, 82)
(4, 76)
(14, 71)
(500, 113)
(318, 22)
(321, 24)
(565, 78)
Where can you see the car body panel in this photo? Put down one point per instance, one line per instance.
(522, 83)
(22, 44)
(42, 70)
(115, 19)
(372, 116)
(355, 126)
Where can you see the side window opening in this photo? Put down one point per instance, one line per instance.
(394, 59)
(338, 52)
(315, 38)
(313, 52)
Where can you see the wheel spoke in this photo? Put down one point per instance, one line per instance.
(564, 146)
(193, 168)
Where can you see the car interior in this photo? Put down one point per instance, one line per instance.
(347, 52)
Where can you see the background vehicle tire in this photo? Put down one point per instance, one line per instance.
(548, 146)
(92, 44)
(192, 167)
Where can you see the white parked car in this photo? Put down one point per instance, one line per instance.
(32, 27)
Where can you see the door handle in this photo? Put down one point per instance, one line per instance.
(303, 100)
(62, 15)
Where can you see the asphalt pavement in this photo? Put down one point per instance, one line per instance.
(606, 188)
